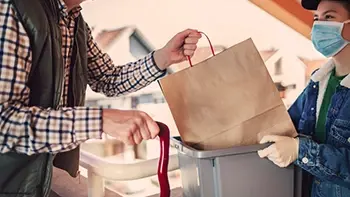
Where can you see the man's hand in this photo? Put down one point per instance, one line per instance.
(177, 49)
(129, 126)
(283, 152)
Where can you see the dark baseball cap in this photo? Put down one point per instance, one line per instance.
(313, 4)
(310, 4)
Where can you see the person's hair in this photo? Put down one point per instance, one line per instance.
(346, 4)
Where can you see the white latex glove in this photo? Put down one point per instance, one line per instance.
(283, 152)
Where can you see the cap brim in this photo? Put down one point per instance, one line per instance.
(310, 4)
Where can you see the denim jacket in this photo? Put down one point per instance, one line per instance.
(328, 163)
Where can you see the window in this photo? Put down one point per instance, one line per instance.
(134, 102)
(145, 98)
(158, 98)
(91, 103)
(138, 47)
(278, 67)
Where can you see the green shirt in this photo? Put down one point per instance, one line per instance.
(333, 82)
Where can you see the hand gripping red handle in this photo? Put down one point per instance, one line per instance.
(164, 138)
(211, 48)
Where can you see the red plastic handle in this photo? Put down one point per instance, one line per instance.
(164, 138)
(211, 48)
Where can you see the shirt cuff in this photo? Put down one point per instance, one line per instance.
(87, 123)
(152, 67)
(308, 153)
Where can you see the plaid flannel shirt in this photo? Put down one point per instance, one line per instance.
(32, 130)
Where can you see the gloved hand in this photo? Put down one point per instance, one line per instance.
(283, 152)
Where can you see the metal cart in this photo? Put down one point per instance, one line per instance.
(234, 172)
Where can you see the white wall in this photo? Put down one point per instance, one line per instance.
(293, 72)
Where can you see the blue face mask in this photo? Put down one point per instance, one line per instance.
(326, 37)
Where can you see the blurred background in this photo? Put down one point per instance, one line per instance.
(130, 29)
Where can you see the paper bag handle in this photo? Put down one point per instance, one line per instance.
(164, 138)
(211, 48)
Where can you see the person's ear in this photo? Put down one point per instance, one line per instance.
(346, 30)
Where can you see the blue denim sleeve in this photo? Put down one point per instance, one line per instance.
(325, 161)
(296, 109)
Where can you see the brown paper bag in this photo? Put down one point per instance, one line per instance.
(227, 100)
